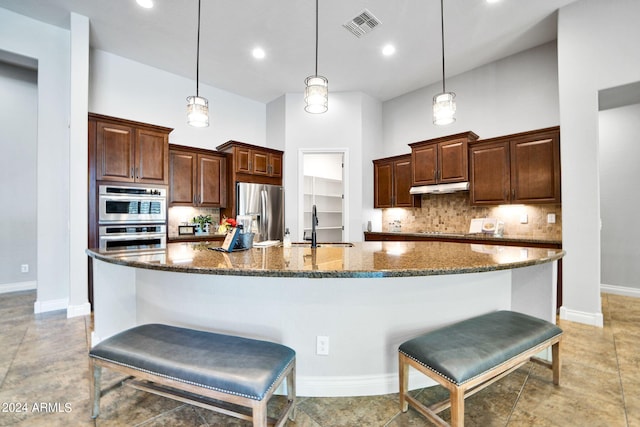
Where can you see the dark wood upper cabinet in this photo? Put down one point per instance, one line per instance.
(392, 182)
(197, 177)
(127, 151)
(249, 163)
(521, 168)
(441, 160)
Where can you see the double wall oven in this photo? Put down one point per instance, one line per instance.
(132, 219)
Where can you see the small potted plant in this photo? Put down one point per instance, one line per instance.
(202, 222)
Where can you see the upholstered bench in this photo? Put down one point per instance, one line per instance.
(469, 355)
(228, 374)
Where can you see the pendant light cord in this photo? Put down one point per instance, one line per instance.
(316, 37)
(442, 31)
(198, 55)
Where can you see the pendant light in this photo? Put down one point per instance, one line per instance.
(444, 104)
(197, 106)
(316, 92)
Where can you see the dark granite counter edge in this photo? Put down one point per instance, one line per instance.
(372, 235)
(322, 274)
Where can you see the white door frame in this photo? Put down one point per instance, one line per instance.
(345, 187)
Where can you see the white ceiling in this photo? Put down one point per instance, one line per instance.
(476, 33)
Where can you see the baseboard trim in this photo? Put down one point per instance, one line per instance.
(5, 288)
(620, 290)
(78, 310)
(593, 319)
(51, 305)
(366, 385)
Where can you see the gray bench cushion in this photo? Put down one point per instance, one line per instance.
(230, 364)
(464, 350)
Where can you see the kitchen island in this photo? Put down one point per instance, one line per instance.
(367, 298)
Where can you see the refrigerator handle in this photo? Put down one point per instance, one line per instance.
(264, 224)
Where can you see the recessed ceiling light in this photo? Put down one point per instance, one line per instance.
(147, 4)
(493, 1)
(388, 50)
(258, 53)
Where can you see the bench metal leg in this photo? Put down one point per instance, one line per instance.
(97, 376)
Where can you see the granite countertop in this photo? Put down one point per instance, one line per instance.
(524, 239)
(363, 259)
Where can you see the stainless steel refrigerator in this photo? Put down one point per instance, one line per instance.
(265, 204)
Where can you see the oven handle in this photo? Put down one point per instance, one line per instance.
(120, 237)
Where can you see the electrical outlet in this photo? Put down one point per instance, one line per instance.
(24, 268)
(524, 218)
(551, 218)
(322, 345)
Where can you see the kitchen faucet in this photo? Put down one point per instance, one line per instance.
(314, 223)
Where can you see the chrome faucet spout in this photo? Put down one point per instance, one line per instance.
(314, 223)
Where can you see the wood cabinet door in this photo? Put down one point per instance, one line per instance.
(453, 161)
(151, 155)
(114, 152)
(490, 174)
(535, 169)
(275, 163)
(425, 164)
(383, 185)
(402, 183)
(182, 178)
(242, 159)
(260, 162)
(212, 180)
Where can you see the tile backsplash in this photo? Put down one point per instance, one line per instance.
(452, 213)
(182, 215)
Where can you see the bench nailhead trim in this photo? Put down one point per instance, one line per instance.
(194, 383)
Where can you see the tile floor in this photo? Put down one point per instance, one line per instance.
(44, 382)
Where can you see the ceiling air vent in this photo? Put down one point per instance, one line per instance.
(362, 24)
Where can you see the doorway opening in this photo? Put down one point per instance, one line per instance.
(323, 182)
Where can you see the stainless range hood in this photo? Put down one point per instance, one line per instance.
(440, 188)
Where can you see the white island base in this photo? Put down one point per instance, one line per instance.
(366, 319)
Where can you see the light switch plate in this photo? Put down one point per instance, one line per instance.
(524, 218)
(551, 218)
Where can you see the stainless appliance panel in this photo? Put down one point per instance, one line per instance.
(265, 204)
(119, 204)
(126, 238)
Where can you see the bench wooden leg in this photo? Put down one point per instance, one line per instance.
(457, 407)
(291, 391)
(96, 373)
(259, 415)
(555, 362)
(404, 382)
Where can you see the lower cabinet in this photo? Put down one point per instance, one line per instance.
(392, 182)
(197, 177)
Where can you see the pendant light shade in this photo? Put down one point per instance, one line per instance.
(444, 104)
(316, 92)
(197, 106)
(444, 108)
(197, 111)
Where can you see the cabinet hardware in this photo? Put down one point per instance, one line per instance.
(131, 171)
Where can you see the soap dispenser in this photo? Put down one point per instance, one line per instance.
(286, 242)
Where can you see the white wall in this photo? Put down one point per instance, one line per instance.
(597, 49)
(50, 46)
(515, 94)
(339, 129)
(128, 89)
(18, 145)
(619, 151)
